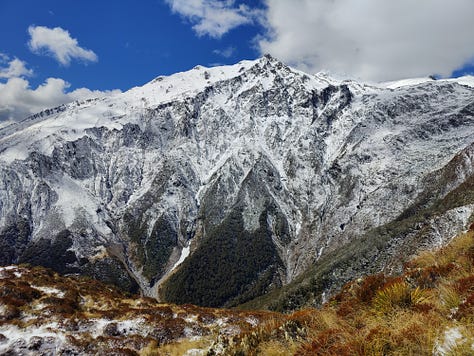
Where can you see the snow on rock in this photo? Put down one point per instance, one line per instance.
(47, 336)
(467, 80)
(7, 270)
(50, 291)
(405, 82)
(331, 158)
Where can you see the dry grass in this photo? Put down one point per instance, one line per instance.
(177, 348)
(398, 295)
(411, 314)
(406, 315)
(449, 297)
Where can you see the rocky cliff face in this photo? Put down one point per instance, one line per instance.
(217, 185)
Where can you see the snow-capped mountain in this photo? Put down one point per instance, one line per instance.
(216, 185)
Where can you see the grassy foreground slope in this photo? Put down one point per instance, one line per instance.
(429, 309)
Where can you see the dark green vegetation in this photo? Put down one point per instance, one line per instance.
(13, 239)
(233, 262)
(52, 253)
(154, 251)
(231, 266)
(56, 254)
(111, 271)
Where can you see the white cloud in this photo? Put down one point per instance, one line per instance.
(58, 43)
(14, 68)
(18, 100)
(214, 17)
(226, 52)
(371, 39)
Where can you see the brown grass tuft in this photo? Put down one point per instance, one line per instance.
(398, 295)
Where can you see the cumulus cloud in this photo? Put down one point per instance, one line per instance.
(13, 68)
(18, 100)
(371, 39)
(58, 43)
(214, 17)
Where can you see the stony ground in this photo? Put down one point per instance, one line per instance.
(42, 312)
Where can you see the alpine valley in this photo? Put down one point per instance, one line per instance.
(253, 184)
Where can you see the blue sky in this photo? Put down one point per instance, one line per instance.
(55, 51)
(135, 41)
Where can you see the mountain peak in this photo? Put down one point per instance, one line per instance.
(267, 57)
(256, 160)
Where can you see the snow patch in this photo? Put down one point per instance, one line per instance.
(192, 318)
(125, 327)
(184, 254)
(99, 326)
(50, 291)
(467, 80)
(252, 320)
(451, 338)
(131, 326)
(221, 321)
(14, 334)
(75, 202)
(18, 152)
(14, 269)
(195, 352)
(8, 268)
(405, 82)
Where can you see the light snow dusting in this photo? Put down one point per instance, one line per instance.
(325, 159)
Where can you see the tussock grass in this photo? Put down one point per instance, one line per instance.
(398, 295)
(404, 315)
(429, 309)
(178, 348)
(449, 297)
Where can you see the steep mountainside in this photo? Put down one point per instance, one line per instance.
(217, 185)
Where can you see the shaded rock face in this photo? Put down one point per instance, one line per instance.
(258, 170)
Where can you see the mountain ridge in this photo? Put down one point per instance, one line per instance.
(295, 165)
